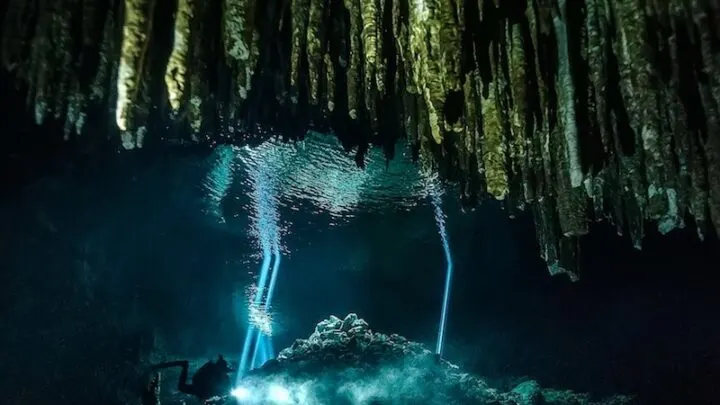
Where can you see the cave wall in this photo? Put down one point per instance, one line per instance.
(575, 110)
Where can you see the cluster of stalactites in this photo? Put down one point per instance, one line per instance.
(578, 110)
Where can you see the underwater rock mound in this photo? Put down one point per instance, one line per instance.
(344, 362)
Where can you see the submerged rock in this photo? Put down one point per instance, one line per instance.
(345, 362)
(529, 393)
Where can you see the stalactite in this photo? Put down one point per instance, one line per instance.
(569, 257)
(604, 109)
(240, 40)
(135, 137)
(540, 143)
(300, 15)
(315, 39)
(688, 149)
(547, 233)
(333, 52)
(36, 67)
(566, 97)
(503, 94)
(78, 100)
(72, 112)
(404, 50)
(676, 200)
(354, 64)
(98, 87)
(79, 97)
(442, 67)
(519, 114)
(370, 40)
(330, 83)
(63, 46)
(177, 67)
(136, 36)
(419, 30)
(494, 151)
(198, 91)
(639, 95)
(602, 183)
(398, 34)
(596, 28)
(381, 66)
(710, 94)
(17, 33)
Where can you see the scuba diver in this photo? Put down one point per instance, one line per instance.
(211, 380)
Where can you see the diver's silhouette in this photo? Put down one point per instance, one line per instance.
(211, 380)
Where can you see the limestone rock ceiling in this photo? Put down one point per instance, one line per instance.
(577, 110)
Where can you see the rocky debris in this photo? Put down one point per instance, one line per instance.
(351, 341)
(528, 392)
(344, 361)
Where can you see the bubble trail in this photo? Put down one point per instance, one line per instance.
(266, 229)
(436, 198)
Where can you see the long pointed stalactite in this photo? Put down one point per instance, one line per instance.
(579, 110)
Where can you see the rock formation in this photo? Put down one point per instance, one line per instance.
(577, 110)
(344, 362)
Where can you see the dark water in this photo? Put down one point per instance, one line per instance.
(110, 259)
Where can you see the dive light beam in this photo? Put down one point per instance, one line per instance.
(267, 232)
(273, 279)
(436, 197)
(247, 345)
(260, 347)
(263, 342)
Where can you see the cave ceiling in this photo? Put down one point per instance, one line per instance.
(575, 110)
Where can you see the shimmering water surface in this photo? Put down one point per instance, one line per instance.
(319, 171)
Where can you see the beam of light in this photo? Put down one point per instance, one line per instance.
(257, 347)
(436, 198)
(262, 350)
(273, 279)
(218, 181)
(247, 344)
(263, 341)
(268, 346)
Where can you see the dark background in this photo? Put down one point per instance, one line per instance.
(107, 260)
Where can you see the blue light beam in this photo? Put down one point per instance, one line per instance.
(266, 229)
(247, 345)
(263, 345)
(436, 198)
(273, 279)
